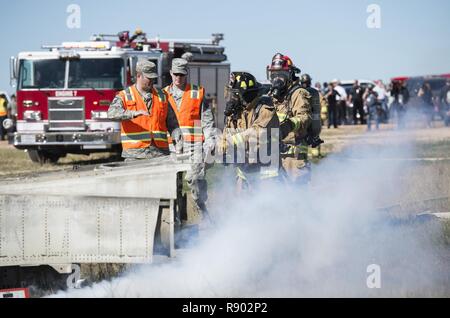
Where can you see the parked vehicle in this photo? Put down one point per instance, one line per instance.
(63, 94)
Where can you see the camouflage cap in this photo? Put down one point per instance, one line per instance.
(179, 66)
(147, 68)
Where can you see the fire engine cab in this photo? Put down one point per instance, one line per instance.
(63, 93)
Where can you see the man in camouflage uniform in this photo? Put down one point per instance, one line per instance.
(196, 121)
(250, 119)
(293, 108)
(124, 108)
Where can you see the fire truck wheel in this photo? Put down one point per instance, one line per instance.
(40, 156)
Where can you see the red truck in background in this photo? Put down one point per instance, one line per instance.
(437, 83)
(63, 93)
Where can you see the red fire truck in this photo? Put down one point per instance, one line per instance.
(63, 93)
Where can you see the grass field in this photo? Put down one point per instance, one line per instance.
(16, 163)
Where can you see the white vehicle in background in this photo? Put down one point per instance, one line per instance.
(348, 85)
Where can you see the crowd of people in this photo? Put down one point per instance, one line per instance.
(376, 103)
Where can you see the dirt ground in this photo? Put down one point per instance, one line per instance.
(337, 139)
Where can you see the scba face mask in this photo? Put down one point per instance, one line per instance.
(238, 99)
(284, 75)
(280, 83)
(249, 96)
(233, 101)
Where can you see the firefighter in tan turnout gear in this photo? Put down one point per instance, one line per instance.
(250, 120)
(293, 108)
(313, 136)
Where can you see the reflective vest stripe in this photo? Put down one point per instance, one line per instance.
(136, 136)
(296, 122)
(144, 136)
(194, 92)
(160, 135)
(192, 130)
(294, 150)
(147, 141)
(128, 95)
(282, 116)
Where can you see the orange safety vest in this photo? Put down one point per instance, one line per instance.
(189, 117)
(143, 131)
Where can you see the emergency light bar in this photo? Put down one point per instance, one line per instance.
(97, 45)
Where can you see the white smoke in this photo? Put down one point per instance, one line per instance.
(300, 242)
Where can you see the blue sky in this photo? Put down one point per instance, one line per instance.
(326, 38)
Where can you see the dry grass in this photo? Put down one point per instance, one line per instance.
(98, 272)
(14, 162)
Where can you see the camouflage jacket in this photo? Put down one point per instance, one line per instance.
(117, 112)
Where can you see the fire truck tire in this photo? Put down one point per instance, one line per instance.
(40, 156)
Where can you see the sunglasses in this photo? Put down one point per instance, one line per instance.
(179, 75)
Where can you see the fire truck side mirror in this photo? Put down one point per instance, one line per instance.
(132, 61)
(13, 68)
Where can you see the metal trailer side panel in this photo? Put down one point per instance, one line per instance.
(147, 179)
(104, 215)
(158, 185)
(39, 229)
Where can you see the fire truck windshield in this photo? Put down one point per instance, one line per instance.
(96, 73)
(41, 74)
(83, 73)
